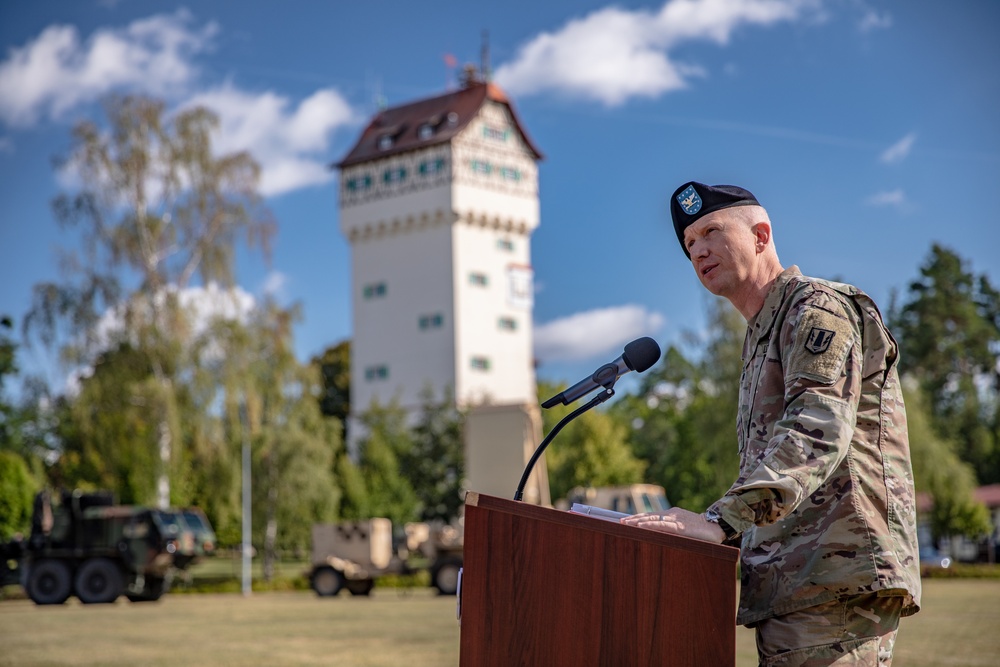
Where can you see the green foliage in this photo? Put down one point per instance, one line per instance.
(684, 415)
(435, 463)
(387, 491)
(334, 366)
(156, 210)
(17, 491)
(268, 401)
(592, 450)
(939, 471)
(949, 331)
(114, 443)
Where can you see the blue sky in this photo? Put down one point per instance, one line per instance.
(869, 129)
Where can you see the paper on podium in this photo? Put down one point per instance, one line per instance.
(598, 512)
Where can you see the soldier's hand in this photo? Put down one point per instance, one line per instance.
(680, 522)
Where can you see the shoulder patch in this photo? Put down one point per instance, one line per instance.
(822, 341)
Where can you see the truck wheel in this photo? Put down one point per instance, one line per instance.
(361, 587)
(444, 575)
(48, 582)
(98, 581)
(327, 582)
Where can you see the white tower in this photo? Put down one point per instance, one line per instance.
(438, 199)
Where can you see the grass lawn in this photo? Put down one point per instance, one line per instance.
(960, 625)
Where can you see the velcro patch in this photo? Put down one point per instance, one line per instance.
(821, 343)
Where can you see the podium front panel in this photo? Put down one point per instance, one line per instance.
(546, 587)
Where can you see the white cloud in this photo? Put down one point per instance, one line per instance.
(872, 20)
(615, 54)
(899, 150)
(593, 333)
(291, 143)
(896, 198)
(57, 72)
(275, 282)
(203, 305)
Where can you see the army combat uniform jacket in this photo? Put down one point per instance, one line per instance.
(824, 500)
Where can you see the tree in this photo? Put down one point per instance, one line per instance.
(386, 490)
(156, 209)
(435, 463)
(592, 450)
(17, 491)
(949, 331)
(334, 366)
(939, 471)
(684, 415)
(269, 400)
(109, 416)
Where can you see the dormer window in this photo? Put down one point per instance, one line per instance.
(425, 132)
(385, 142)
(452, 118)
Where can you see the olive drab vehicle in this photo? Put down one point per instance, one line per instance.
(83, 544)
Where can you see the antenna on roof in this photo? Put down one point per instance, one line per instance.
(373, 85)
(484, 65)
(380, 100)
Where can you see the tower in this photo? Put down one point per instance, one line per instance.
(438, 199)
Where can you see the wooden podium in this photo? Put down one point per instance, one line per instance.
(546, 587)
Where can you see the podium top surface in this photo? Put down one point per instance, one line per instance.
(495, 504)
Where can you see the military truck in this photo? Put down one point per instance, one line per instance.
(353, 555)
(84, 544)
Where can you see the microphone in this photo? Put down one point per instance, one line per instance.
(639, 355)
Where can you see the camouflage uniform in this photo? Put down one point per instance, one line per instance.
(824, 499)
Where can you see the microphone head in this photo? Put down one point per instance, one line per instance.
(641, 354)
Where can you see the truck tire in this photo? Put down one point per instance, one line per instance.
(98, 581)
(48, 582)
(362, 587)
(326, 581)
(444, 575)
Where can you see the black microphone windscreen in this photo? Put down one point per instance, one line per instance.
(641, 354)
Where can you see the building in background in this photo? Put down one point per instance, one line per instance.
(438, 199)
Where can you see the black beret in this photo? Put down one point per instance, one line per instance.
(694, 200)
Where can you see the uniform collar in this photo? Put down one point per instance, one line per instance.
(761, 324)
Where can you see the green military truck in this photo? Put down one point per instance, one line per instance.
(83, 544)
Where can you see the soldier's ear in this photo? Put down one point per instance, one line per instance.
(762, 235)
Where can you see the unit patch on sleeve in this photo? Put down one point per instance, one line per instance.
(819, 340)
(822, 341)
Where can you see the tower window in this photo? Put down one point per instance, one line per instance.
(480, 363)
(495, 133)
(379, 372)
(509, 174)
(435, 321)
(505, 244)
(359, 183)
(394, 175)
(374, 290)
(479, 279)
(429, 167)
(507, 324)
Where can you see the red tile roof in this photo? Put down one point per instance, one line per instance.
(446, 115)
(988, 495)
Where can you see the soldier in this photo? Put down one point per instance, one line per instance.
(823, 507)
